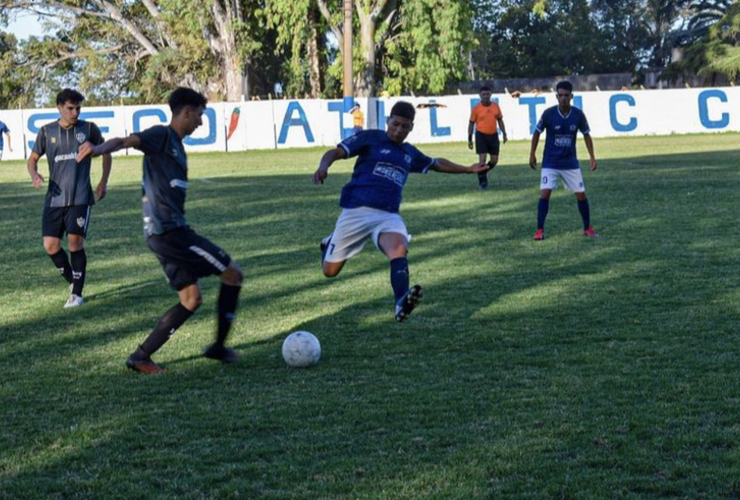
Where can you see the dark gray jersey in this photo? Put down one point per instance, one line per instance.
(69, 181)
(165, 179)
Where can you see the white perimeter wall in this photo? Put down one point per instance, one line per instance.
(306, 123)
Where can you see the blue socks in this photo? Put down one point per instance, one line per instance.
(542, 208)
(400, 277)
(585, 213)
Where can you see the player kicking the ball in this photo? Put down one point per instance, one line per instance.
(371, 199)
(184, 255)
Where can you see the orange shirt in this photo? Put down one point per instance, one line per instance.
(486, 117)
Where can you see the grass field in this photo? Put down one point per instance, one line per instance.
(563, 369)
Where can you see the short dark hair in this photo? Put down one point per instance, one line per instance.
(484, 88)
(564, 84)
(404, 110)
(69, 95)
(183, 96)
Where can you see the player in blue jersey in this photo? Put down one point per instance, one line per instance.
(4, 131)
(371, 199)
(185, 256)
(562, 123)
(69, 198)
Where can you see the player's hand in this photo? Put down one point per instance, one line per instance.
(37, 180)
(505, 138)
(320, 175)
(477, 168)
(533, 162)
(101, 191)
(593, 164)
(470, 144)
(86, 149)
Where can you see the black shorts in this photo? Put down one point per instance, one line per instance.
(55, 221)
(186, 257)
(486, 144)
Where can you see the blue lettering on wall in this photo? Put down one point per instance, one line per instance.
(578, 102)
(210, 138)
(532, 102)
(616, 124)
(289, 121)
(437, 131)
(38, 120)
(143, 113)
(382, 119)
(704, 109)
(96, 115)
(339, 108)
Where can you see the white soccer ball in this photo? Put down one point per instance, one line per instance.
(301, 349)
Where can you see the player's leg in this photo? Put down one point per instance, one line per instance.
(573, 181)
(481, 148)
(351, 230)
(52, 230)
(141, 359)
(76, 223)
(395, 246)
(228, 301)
(548, 182)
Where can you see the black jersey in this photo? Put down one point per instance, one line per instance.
(69, 181)
(165, 179)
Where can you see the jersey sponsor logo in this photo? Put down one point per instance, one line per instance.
(562, 141)
(65, 157)
(391, 172)
(179, 183)
(80, 137)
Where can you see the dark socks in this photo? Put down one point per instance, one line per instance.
(585, 211)
(542, 208)
(167, 325)
(62, 264)
(79, 265)
(228, 300)
(399, 277)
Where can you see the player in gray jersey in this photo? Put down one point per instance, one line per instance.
(185, 256)
(70, 196)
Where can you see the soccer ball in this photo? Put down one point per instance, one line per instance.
(301, 349)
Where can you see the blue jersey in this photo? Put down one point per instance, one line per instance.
(3, 130)
(381, 170)
(560, 141)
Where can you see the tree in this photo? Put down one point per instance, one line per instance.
(154, 44)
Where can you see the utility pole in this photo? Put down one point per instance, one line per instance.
(348, 84)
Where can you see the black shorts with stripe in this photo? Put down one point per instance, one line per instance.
(185, 256)
(56, 221)
(486, 144)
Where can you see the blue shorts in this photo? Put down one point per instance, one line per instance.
(186, 257)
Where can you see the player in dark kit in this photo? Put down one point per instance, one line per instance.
(371, 199)
(184, 255)
(70, 197)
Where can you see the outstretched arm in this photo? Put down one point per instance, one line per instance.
(326, 161)
(108, 147)
(446, 166)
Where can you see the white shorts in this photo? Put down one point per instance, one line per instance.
(572, 179)
(355, 225)
(1, 153)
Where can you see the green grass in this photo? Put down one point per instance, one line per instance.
(568, 369)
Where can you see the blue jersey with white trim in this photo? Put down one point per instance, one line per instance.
(381, 170)
(560, 140)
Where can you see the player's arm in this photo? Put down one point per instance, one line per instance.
(108, 147)
(503, 128)
(533, 150)
(327, 159)
(446, 166)
(471, 125)
(590, 147)
(102, 188)
(33, 169)
(10, 148)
